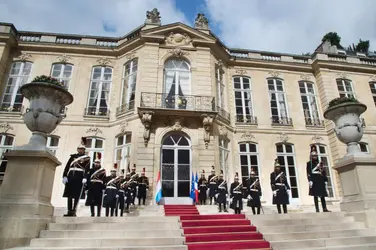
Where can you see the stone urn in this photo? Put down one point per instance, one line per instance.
(348, 125)
(47, 100)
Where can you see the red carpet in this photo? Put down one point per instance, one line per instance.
(179, 210)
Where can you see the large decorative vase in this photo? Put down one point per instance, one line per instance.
(44, 113)
(348, 126)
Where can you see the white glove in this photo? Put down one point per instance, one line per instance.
(103, 191)
(84, 180)
(231, 200)
(86, 192)
(226, 195)
(249, 197)
(326, 184)
(65, 180)
(275, 193)
(137, 187)
(216, 196)
(289, 193)
(125, 198)
(117, 196)
(310, 184)
(132, 194)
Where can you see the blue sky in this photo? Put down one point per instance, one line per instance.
(290, 26)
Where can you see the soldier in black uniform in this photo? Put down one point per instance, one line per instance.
(111, 193)
(318, 180)
(128, 191)
(212, 179)
(143, 187)
(95, 186)
(254, 193)
(120, 196)
(202, 188)
(74, 177)
(134, 185)
(279, 187)
(222, 193)
(236, 195)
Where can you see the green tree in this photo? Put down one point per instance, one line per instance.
(334, 39)
(362, 46)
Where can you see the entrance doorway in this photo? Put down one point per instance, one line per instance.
(176, 160)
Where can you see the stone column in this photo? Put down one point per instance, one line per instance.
(25, 198)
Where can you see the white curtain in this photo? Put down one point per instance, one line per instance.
(94, 94)
(185, 82)
(106, 93)
(282, 105)
(169, 79)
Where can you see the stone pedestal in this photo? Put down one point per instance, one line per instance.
(25, 196)
(358, 181)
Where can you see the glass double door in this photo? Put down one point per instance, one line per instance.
(175, 171)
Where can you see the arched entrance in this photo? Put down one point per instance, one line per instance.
(176, 157)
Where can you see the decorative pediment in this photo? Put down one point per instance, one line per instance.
(175, 123)
(247, 136)
(283, 137)
(23, 56)
(123, 127)
(104, 61)
(241, 72)
(305, 77)
(94, 131)
(342, 75)
(5, 127)
(275, 73)
(318, 139)
(64, 58)
(178, 39)
(178, 52)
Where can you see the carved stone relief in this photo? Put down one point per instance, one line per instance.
(175, 123)
(223, 131)
(178, 52)
(5, 127)
(24, 56)
(305, 77)
(241, 72)
(342, 75)
(283, 137)
(153, 17)
(372, 78)
(201, 22)
(104, 61)
(94, 131)
(130, 55)
(207, 122)
(146, 119)
(64, 58)
(123, 127)
(247, 136)
(316, 138)
(178, 39)
(275, 73)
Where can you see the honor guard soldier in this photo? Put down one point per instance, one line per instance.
(121, 196)
(111, 196)
(134, 185)
(74, 177)
(95, 186)
(143, 187)
(202, 188)
(212, 178)
(280, 188)
(236, 195)
(222, 193)
(128, 191)
(254, 193)
(317, 179)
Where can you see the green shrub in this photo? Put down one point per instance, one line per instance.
(342, 100)
(49, 80)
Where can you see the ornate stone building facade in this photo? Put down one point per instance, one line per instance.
(175, 98)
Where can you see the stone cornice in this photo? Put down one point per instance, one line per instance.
(343, 66)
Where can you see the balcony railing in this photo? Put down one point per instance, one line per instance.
(223, 113)
(248, 119)
(314, 122)
(280, 120)
(101, 112)
(122, 109)
(177, 102)
(11, 109)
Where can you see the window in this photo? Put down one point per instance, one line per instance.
(18, 76)
(53, 143)
(364, 147)
(278, 103)
(99, 91)
(6, 144)
(220, 85)
(177, 84)
(93, 146)
(224, 154)
(323, 156)
(372, 86)
(248, 153)
(243, 99)
(62, 72)
(129, 84)
(345, 88)
(286, 158)
(123, 151)
(310, 108)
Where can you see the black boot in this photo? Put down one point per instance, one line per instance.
(323, 203)
(316, 200)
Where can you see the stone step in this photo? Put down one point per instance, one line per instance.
(295, 216)
(109, 233)
(107, 242)
(315, 243)
(309, 228)
(114, 226)
(352, 247)
(130, 219)
(182, 247)
(313, 221)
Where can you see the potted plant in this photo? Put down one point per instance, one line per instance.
(47, 97)
(345, 113)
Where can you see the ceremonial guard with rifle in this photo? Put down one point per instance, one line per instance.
(236, 195)
(134, 185)
(143, 187)
(213, 179)
(222, 193)
(111, 196)
(95, 186)
(120, 203)
(74, 177)
(254, 193)
(317, 179)
(280, 188)
(126, 187)
(202, 188)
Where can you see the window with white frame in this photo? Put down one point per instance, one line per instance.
(63, 73)
(323, 156)
(248, 153)
(123, 151)
(6, 144)
(93, 146)
(224, 154)
(364, 147)
(243, 99)
(286, 158)
(220, 85)
(53, 143)
(309, 103)
(129, 84)
(345, 88)
(278, 103)
(372, 86)
(99, 94)
(18, 76)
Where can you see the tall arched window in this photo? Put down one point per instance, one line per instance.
(243, 99)
(278, 102)
(62, 72)
(99, 94)
(123, 151)
(345, 88)
(309, 103)
(248, 153)
(286, 158)
(94, 145)
(323, 156)
(128, 94)
(177, 84)
(6, 144)
(18, 76)
(372, 86)
(224, 154)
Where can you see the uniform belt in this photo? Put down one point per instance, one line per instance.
(143, 184)
(316, 172)
(221, 187)
(121, 191)
(202, 185)
(76, 169)
(213, 183)
(237, 192)
(255, 190)
(111, 187)
(98, 181)
(279, 184)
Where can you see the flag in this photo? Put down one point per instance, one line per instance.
(196, 187)
(158, 190)
(193, 194)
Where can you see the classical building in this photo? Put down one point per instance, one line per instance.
(175, 98)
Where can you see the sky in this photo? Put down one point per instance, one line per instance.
(287, 26)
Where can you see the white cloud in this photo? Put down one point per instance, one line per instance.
(291, 26)
(85, 16)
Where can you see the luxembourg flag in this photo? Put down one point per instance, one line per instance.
(196, 187)
(158, 190)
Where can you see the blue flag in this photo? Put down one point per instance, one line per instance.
(193, 195)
